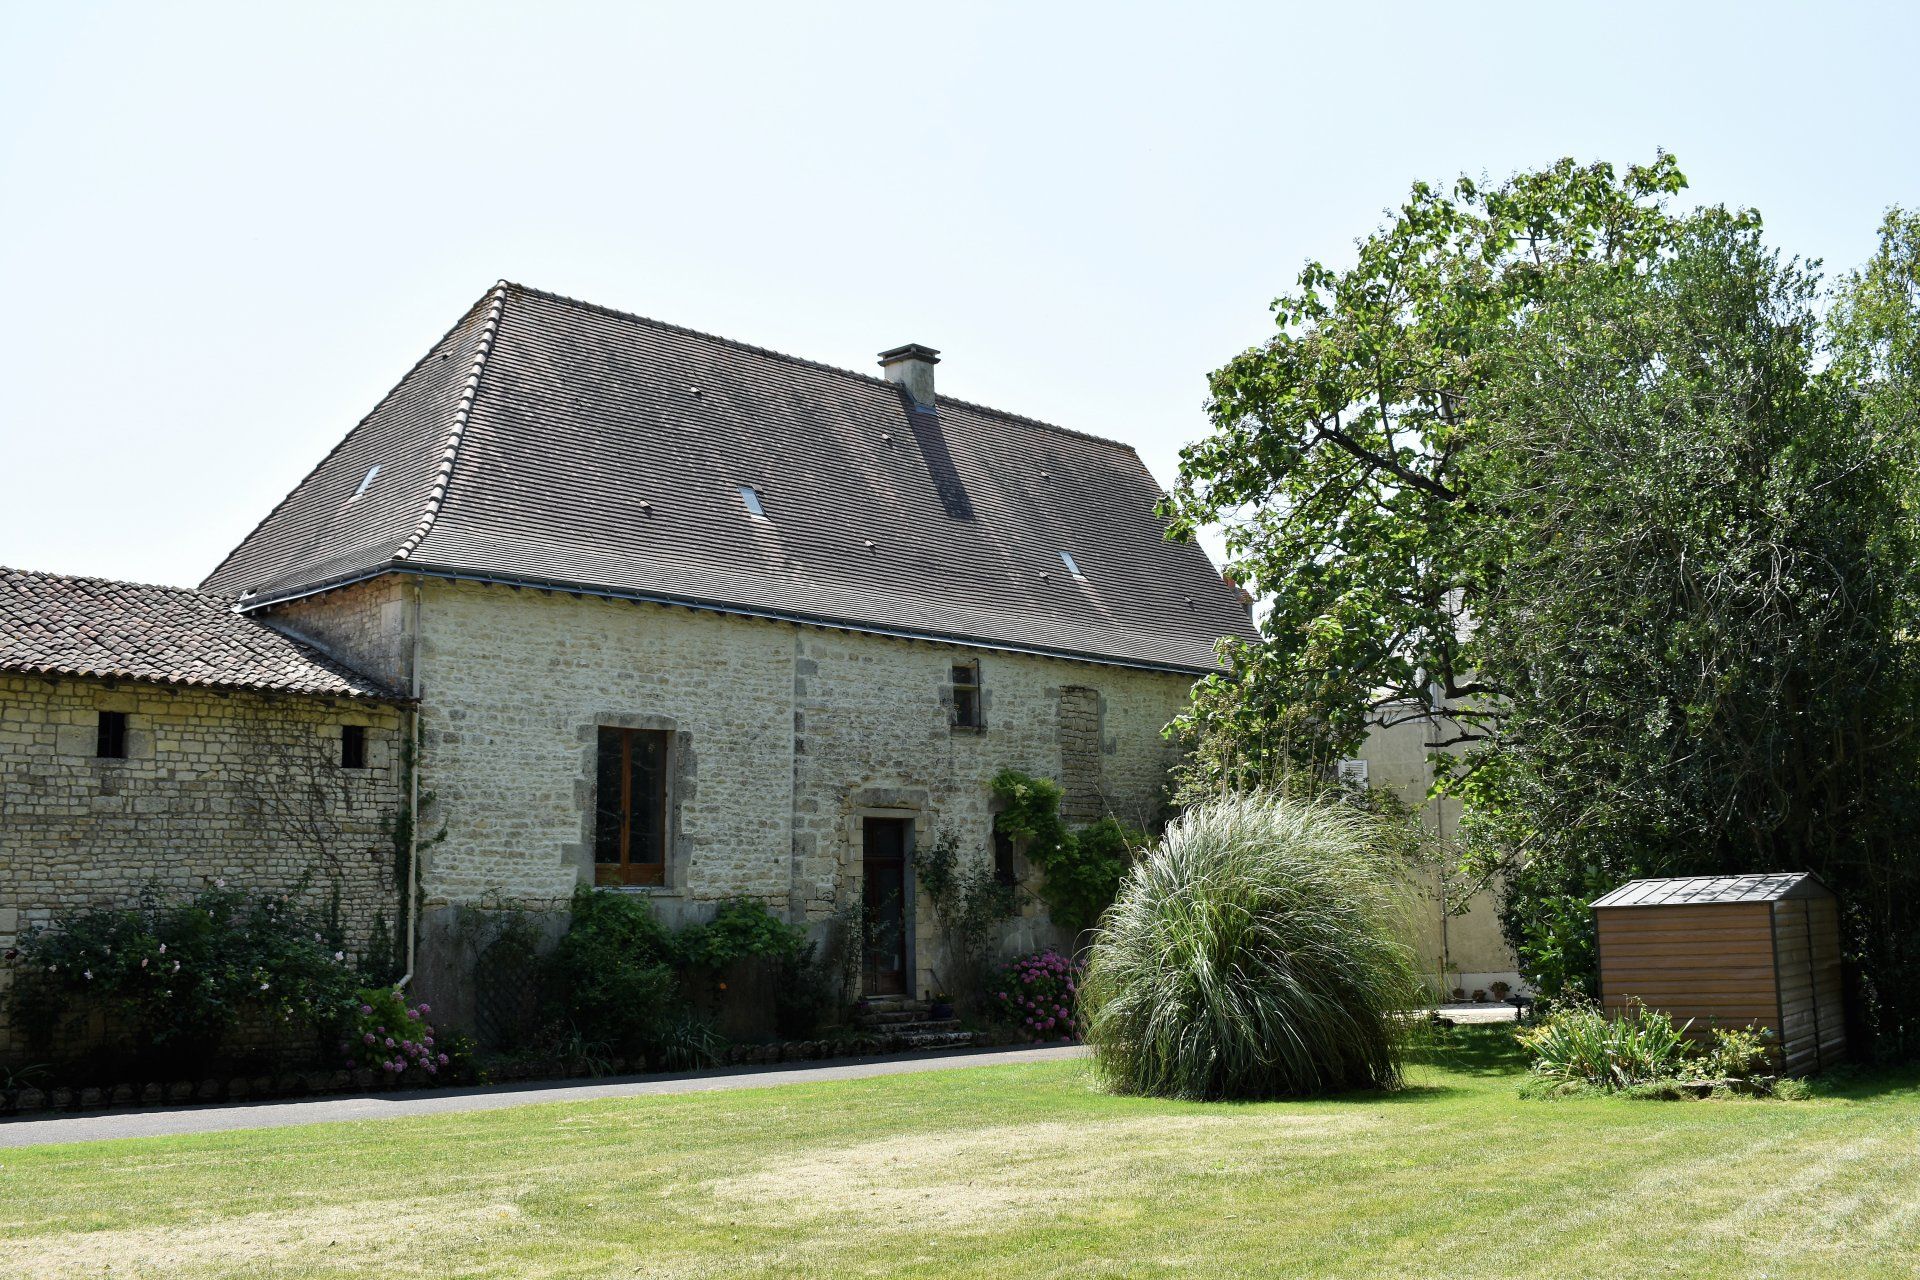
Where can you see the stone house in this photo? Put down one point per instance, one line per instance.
(677, 616)
(151, 736)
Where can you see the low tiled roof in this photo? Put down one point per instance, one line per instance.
(551, 442)
(57, 624)
(1693, 891)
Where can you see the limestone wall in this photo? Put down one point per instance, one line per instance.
(240, 786)
(785, 737)
(1458, 948)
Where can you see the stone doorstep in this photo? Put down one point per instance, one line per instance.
(881, 1042)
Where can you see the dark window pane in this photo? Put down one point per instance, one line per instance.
(111, 742)
(353, 746)
(1002, 858)
(649, 766)
(609, 802)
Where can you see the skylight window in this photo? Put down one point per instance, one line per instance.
(751, 496)
(1072, 568)
(365, 480)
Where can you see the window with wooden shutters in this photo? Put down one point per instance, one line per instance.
(630, 820)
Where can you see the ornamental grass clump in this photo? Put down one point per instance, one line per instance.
(1261, 949)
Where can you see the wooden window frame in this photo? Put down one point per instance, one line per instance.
(110, 738)
(626, 872)
(353, 746)
(973, 691)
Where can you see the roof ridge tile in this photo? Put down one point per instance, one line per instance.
(490, 329)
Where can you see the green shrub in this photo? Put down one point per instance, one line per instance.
(740, 927)
(808, 996)
(1640, 1052)
(611, 979)
(1738, 1053)
(179, 975)
(1259, 950)
(969, 904)
(1579, 1042)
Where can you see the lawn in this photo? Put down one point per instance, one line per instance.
(1008, 1170)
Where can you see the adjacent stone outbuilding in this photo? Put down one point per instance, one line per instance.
(151, 738)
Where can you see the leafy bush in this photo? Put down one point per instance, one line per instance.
(1738, 1053)
(740, 927)
(1038, 995)
(611, 978)
(1580, 1043)
(1259, 950)
(808, 996)
(1079, 871)
(969, 902)
(382, 1034)
(179, 975)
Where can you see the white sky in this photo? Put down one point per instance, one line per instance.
(225, 231)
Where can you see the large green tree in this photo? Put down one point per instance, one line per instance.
(1601, 483)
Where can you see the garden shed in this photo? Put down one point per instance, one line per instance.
(1730, 951)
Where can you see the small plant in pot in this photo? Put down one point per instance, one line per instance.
(939, 1006)
(1479, 997)
(1501, 991)
(1459, 995)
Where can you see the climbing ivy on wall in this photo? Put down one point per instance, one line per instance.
(1080, 870)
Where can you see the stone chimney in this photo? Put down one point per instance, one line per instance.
(911, 367)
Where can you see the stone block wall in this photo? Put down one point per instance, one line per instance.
(240, 786)
(785, 737)
(1458, 935)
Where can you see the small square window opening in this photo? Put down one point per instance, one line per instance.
(111, 741)
(1072, 568)
(365, 480)
(353, 746)
(966, 696)
(751, 496)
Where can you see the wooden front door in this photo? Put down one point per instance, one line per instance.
(884, 868)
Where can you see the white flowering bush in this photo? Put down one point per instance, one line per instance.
(179, 975)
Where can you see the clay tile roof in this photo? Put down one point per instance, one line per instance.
(550, 442)
(1693, 891)
(56, 624)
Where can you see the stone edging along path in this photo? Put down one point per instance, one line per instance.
(108, 1125)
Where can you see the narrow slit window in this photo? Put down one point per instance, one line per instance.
(630, 817)
(1066, 559)
(751, 496)
(1003, 872)
(966, 695)
(365, 480)
(353, 746)
(110, 743)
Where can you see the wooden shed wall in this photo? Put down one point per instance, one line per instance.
(1813, 1025)
(1711, 963)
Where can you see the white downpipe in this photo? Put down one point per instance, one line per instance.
(413, 803)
